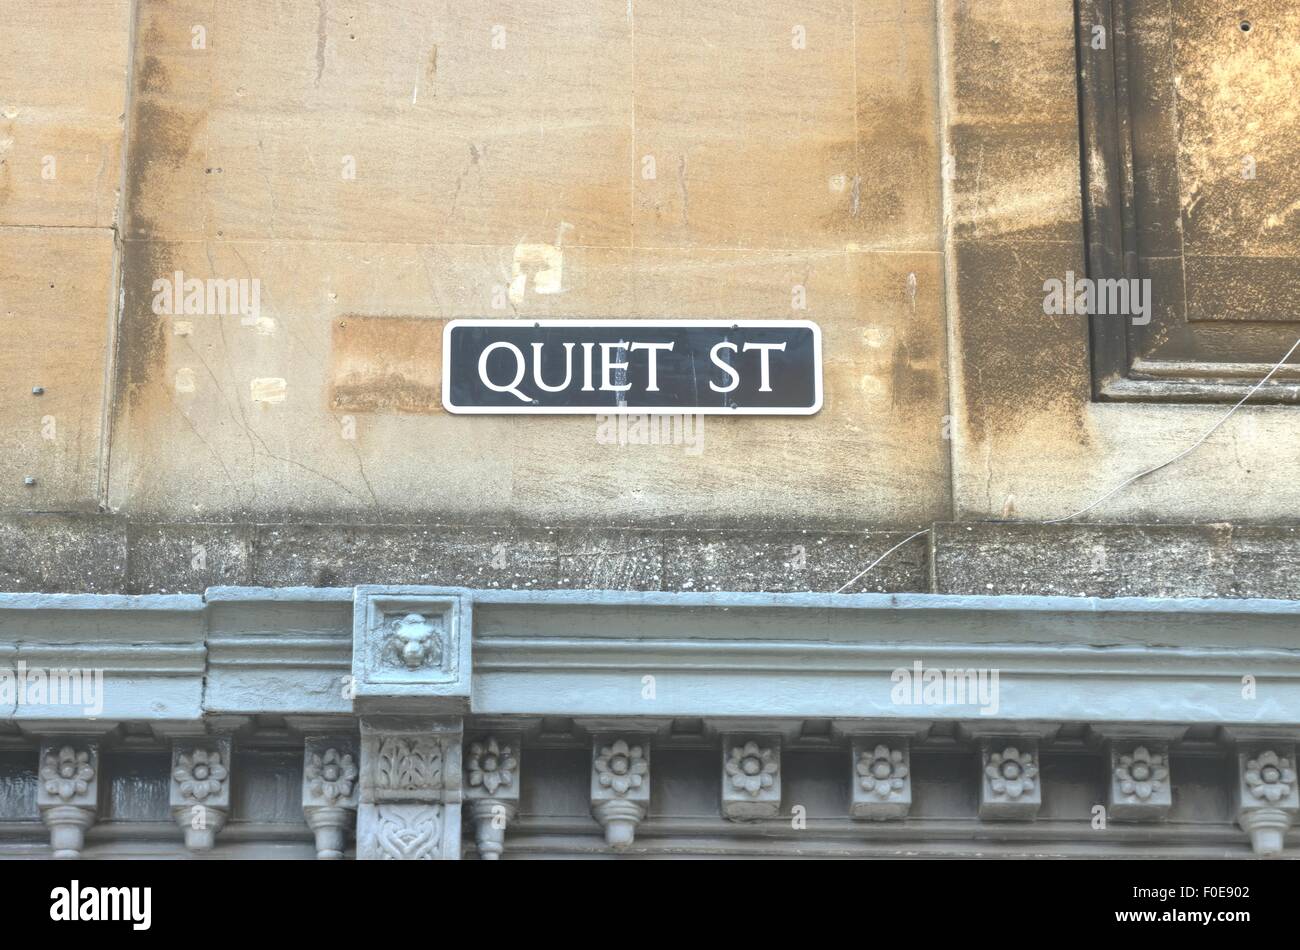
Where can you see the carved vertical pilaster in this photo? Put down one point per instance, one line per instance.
(882, 778)
(751, 777)
(410, 807)
(620, 786)
(200, 789)
(330, 791)
(1266, 794)
(68, 793)
(1010, 787)
(492, 787)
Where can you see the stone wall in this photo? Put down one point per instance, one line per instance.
(908, 172)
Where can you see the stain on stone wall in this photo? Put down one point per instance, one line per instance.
(386, 364)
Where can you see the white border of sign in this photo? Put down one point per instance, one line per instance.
(632, 410)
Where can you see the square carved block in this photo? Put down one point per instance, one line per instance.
(69, 773)
(408, 832)
(751, 777)
(331, 772)
(492, 766)
(421, 764)
(1010, 786)
(201, 772)
(620, 769)
(1139, 781)
(411, 650)
(882, 779)
(1266, 777)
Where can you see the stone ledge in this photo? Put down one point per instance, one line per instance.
(110, 554)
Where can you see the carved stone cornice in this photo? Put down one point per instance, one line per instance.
(286, 650)
(131, 658)
(291, 651)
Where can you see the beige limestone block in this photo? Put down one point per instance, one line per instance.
(63, 81)
(364, 121)
(747, 113)
(352, 331)
(57, 304)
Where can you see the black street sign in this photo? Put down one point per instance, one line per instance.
(720, 367)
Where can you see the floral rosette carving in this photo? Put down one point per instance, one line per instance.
(200, 774)
(1270, 777)
(621, 767)
(67, 773)
(882, 771)
(752, 768)
(1142, 773)
(331, 775)
(491, 765)
(1011, 773)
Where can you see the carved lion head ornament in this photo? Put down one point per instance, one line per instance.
(415, 641)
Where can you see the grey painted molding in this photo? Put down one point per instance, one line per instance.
(420, 665)
(174, 660)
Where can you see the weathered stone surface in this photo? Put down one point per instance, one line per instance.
(62, 553)
(446, 556)
(63, 72)
(107, 554)
(356, 427)
(1236, 98)
(1118, 560)
(1029, 441)
(447, 147)
(794, 561)
(1012, 121)
(466, 195)
(56, 299)
(795, 148)
(163, 557)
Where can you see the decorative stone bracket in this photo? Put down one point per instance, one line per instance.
(492, 787)
(1140, 787)
(330, 790)
(620, 786)
(1010, 788)
(882, 778)
(200, 789)
(1266, 794)
(751, 777)
(68, 793)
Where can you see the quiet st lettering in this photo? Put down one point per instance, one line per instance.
(614, 368)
